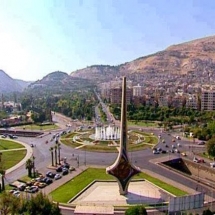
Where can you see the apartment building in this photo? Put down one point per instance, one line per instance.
(208, 100)
(191, 102)
(138, 91)
(116, 95)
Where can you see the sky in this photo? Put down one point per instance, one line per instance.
(38, 37)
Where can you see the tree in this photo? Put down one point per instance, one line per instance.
(2, 172)
(211, 147)
(29, 167)
(136, 210)
(38, 205)
(51, 150)
(55, 153)
(9, 204)
(59, 148)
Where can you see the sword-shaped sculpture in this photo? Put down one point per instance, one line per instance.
(123, 170)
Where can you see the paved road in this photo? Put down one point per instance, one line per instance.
(145, 159)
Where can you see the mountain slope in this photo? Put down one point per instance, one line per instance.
(8, 84)
(197, 55)
(58, 82)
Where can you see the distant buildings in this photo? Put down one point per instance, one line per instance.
(170, 90)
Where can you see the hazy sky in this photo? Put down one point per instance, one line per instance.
(38, 37)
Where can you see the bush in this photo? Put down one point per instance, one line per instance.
(136, 210)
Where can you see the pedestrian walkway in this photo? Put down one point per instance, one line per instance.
(28, 155)
(48, 189)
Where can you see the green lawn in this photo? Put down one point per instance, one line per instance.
(142, 123)
(38, 127)
(146, 140)
(67, 191)
(8, 144)
(11, 158)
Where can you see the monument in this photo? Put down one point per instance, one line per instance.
(122, 169)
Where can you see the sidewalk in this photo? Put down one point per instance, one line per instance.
(56, 183)
(28, 155)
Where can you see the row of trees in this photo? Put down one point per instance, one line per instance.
(38, 204)
(55, 154)
(77, 105)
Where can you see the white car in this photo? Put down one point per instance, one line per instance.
(212, 165)
(57, 176)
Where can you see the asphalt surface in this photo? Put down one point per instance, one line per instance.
(144, 159)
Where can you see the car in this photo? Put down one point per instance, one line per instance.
(59, 169)
(155, 152)
(163, 141)
(32, 189)
(184, 154)
(201, 143)
(65, 171)
(173, 140)
(71, 168)
(3, 136)
(159, 149)
(179, 145)
(11, 136)
(32, 145)
(66, 165)
(198, 160)
(176, 151)
(50, 174)
(16, 193)
(163, 151)
(57, 176)
(212, 165)
(166, 146)
(178, 138)
(48, 181)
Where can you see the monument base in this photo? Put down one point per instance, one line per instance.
(107, 194)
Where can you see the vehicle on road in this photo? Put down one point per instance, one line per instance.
(212, 165)
(201, 143)
(57, 176)
(184, 154)
(155, 151)
(198, 160)
(50, 174)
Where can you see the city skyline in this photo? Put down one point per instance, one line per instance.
(39, 37)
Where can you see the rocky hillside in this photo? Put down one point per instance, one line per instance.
(196, 55)
(8, 84)
(58, 82)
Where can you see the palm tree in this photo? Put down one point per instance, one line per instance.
(29, 166)
(51, 150)
(55, 152)
(2, 172)
(59, 148)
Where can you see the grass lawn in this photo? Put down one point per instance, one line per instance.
(11, 158)
(142, 123)
(38, 127)
(8, 144)
(67, 191)
(146, 140)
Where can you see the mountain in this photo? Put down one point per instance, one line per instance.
(197, 55)
(8, 84)
(58, 82)
(22, 83)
